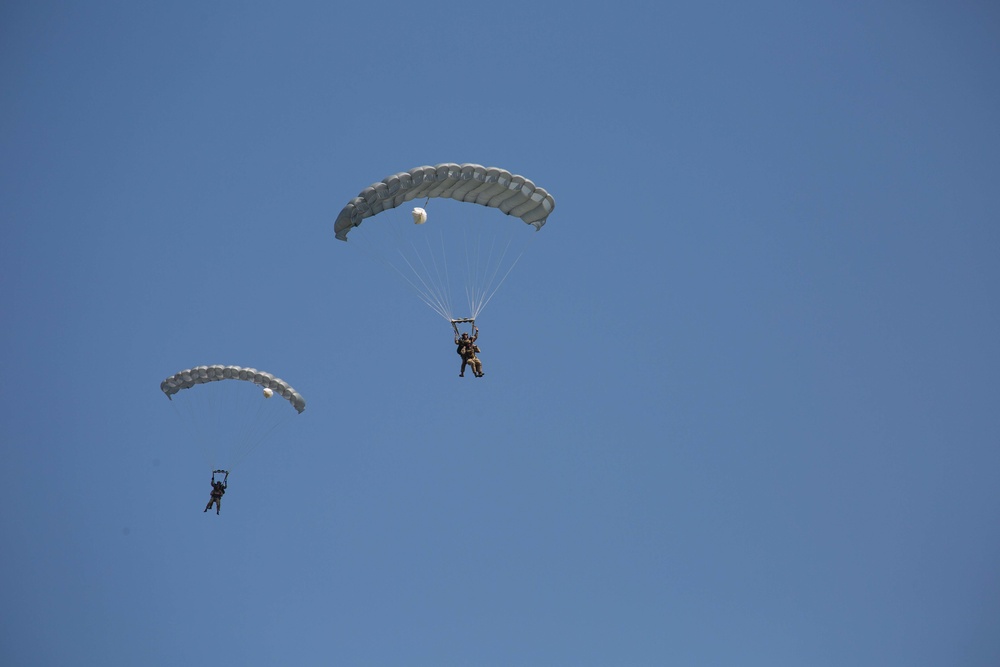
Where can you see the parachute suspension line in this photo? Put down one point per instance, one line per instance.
(425, 289)
(440, 275)
(424, 292)
(433, 294)
(439, 285)
(435, 277)
(405, 267)
(465, 253)
(470, 273)
(487, 281)
(511, 268)
(427, 293)
(250, 420)
(433, 288)
(230, 442)
(249, 439)
(250, 444)
(190, 422)
(485, 264)
(230, 414)
(446, 278)
(197, 413)
(214, 400)
(247, 451)
(477, 280)
(255, 421)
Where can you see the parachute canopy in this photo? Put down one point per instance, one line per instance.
(202, 374)
(487, 186)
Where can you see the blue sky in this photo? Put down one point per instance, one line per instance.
(741, 403)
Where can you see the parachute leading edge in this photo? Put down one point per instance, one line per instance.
(202, 374)
(487, 186)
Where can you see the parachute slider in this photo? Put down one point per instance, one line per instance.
(419, 216)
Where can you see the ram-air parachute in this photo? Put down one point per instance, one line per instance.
(229, 411)
(454, 252)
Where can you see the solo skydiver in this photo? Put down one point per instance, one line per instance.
(218, 490)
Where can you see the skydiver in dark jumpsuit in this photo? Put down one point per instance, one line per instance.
(218, 490)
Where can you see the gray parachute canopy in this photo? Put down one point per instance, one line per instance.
(487, 186)
(202, 374)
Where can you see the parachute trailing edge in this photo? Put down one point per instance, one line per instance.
(202, 374)
(487, 186)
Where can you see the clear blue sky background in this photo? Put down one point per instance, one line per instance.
(741, 403)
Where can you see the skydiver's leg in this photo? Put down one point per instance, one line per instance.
(462, 372)
(209, 505)
(218, 504)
